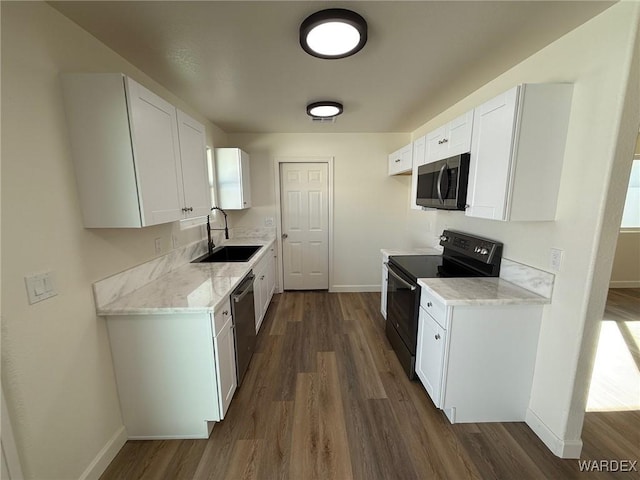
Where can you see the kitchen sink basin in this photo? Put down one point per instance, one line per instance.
(229, 253)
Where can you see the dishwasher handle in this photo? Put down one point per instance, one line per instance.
(245, 287)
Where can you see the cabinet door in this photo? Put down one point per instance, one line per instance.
(234, 179)
(401, 160)
(430, 356)
(270, 277)
(258, 296)
(225, 352)
(154, 133)
(383, 291)
(459, 135)
(419, 158)
(437, 144)
(491, 148)
(193, 159)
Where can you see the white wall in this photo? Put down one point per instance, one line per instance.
(56, 364)
(598, 59)
(370, 208)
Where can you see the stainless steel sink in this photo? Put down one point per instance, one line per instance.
(229, 253)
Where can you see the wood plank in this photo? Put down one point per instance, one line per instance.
(276, 449)
(305, 436)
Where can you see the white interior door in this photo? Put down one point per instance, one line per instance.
(305, 225)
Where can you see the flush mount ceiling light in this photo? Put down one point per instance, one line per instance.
(324, 109)
(333, 33)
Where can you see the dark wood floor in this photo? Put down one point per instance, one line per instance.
(325, 398)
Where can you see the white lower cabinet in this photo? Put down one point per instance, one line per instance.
(477, 361)
(175, 373)
(225, 356)
(431, 339)
(264, 285)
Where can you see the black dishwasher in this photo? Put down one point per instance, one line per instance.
(242, 310)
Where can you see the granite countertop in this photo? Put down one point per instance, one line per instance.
(190, 288)
(480, 291)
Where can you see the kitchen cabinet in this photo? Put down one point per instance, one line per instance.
(401, 160)
(175, 373)
(517, 152)
(233, 178)
(225, 357)
(451, 139)
(383, 292)
(264, 285)
(129, 157)
(193, 162)
(477, 361)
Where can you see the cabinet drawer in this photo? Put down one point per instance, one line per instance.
(434, 307)
(221, 316)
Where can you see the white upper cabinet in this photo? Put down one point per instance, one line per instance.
(233, 179)
(517, 153)
(193, 159)
(127, 152)
(401, 160)
(451, 139)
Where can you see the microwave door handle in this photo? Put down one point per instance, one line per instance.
(402, 280)
(439, 188)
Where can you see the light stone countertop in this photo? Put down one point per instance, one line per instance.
(411, 251)
(480, 291)
(190, 288)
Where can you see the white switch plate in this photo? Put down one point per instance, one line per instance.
(40, 287)
(268, 222)
(555, 259)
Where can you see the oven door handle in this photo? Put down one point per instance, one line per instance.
(402, 280)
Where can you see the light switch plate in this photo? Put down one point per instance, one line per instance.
(40, 287)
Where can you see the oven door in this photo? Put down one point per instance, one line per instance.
(443, 184)
(403, 299)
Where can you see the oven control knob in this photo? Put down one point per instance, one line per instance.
(444, 238)
(476, 250)
(484, 251)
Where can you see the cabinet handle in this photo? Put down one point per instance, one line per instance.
(397, 160)
(429, 304)
(226, 312)
(437, 336)
(261, 277)
(444, 140)
(191, 209)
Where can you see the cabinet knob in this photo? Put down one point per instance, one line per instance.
(429, 304)
(284, 235)
(397, 160)
(261, 277)
(225, 312)
(191, 209)
(437, 336)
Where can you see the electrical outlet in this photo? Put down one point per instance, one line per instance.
(158, 244)
(555, 259)
(268, 222)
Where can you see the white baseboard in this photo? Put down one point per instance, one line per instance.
(105, 455)
(624, 284)
(559, 447)
(354, 288)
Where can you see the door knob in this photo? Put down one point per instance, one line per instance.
(284, 235)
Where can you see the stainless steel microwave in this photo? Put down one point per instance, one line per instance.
(443, 184)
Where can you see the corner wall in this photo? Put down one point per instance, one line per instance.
(597, 58)
(56, 363)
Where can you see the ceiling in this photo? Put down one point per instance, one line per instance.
(240, 64)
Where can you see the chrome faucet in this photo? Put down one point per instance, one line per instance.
(210, 244)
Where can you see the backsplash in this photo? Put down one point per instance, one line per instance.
(252, 232)
(530, 278)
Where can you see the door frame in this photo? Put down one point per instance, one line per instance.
(276, 169)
